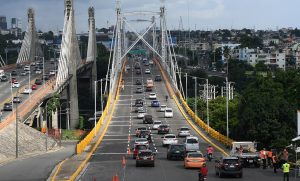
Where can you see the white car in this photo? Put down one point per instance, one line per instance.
(141, 141)
(152, 96)
(15, 85)
(38, 71)
(52, 72)
(127, 67)
(27, 91)
(147, 71)
(23, 73)
(156, 125)
(141, 114)
(27, 68)
(184, 131)
(168, 113)
(162, 108)
(169, 139)
(151, 62)
(191, 143)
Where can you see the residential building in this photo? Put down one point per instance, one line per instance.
(3, 23)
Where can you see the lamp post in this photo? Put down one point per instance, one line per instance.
(186, 96)
(11, 91)
(95, 118)
(17, 130)
(227, 111)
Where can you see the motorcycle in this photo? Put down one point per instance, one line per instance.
(201, 177)
(209, 156)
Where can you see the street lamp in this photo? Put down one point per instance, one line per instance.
(95, 121)
(60, 118)
(17, 130)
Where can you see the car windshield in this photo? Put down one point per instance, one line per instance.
(168, 110)
(230, 161)
(141, 140)
(195, 155)
(163, 126)
(184, 129)
(157, 122)
(145, 153)
(192, 141)
(141, 147)
(178, 147)
(170, 136)
(142, 128)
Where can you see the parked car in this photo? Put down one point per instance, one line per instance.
(34, 87)
(23, 73)
(191, 143)
(168, 113)
(156, 124)
(138, 148)
(145, 157)
(229, 166)
(163, 129)
(147, 119)
(38, 81)
(183, 131)
(169, 139)
(52, 72)
(155, 103)
(194, 160)
(176, 151)
(13, 80)
(27, 68)
(4, 78)
(7, 107)
(38, 71)
(157, 78)
(14, 73)
(17, 99)
(27, 90)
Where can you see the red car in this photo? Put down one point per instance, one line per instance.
(13, 80)
(34, 87)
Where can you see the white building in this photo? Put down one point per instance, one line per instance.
(270, 59)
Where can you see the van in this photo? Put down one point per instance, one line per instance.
(27, 68)
(191, 143)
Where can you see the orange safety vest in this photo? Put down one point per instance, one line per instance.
(262, 154)
(270, 154)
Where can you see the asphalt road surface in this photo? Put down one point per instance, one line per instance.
(106, 160)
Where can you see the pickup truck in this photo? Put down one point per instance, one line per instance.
(246, 152)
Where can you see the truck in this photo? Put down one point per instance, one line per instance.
(247, 152)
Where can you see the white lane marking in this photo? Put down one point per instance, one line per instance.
(122, 104)
(116, 117)
(109, 154)
(117, 135)
(118, 125)
(112, 139)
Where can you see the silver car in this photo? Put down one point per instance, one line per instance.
(191, 143)
(183, 131)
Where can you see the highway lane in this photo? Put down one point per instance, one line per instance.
(106, 160)
(5, 91)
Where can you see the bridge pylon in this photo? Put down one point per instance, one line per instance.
(31, 47)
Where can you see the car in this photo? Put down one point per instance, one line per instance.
(138, 72)
(13, 80)
(194, 160)
(155, 103)
(38, 71)
(162, 108)
(27, 68)
(139, 108)
(138, 82)
(52, 72)
(146, 134)
(147, 64)
(151, 62)
(15, 85)
(4, 78)
(163, 129)
(138, 130)
(176, 151)
(139, 102)
(7, 106)
(137, 65)
(169, 139)
(127, 67)
(156, 124)
(191, 143)
(17, 99)
(152, 95)
(147, 119)
(34, 87)
(137, 148)
(168, 113)
(157, 78)
(139, 90)
(24, 73)
(229, 166)
(14, 73)
(147, 71)
(145, 157)
(38, 81)
(142, 141)
(46, 77)
(141, 114)
(27, 90)
(183, 132)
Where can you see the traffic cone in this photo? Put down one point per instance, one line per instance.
(123, 161)
(116, 178)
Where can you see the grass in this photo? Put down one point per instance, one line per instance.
(73, 134)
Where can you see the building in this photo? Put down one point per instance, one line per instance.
(3, 23)
(16, 27)
(273, 59)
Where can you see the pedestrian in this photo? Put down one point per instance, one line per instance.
(275, 162)
(270, 154)
(286, 170)
(285, 155)
(263, 156)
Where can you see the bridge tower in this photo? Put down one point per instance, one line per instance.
(92, 47)
(30, 45)
(69, 61)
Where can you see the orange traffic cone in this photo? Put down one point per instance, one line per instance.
(115, 178)
(123, 161)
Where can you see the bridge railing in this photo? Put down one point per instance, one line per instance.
(212, 132)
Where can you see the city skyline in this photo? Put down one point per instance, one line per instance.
(201, 14)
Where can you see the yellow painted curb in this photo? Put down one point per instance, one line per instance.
(57, 170)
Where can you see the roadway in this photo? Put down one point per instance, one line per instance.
(5, 90)
(106, 161)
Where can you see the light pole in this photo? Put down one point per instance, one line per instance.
(17, 131)
(195, 97)
(11, 91)
(44, 71)
(186, 96)
(60, 119)
(227, 111)
(29, 84)
(95, 96)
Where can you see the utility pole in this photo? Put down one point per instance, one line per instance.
(195, 97)
(227, 112)
(186, 96)
(207, 110)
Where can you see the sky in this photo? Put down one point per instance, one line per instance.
(196, 14)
